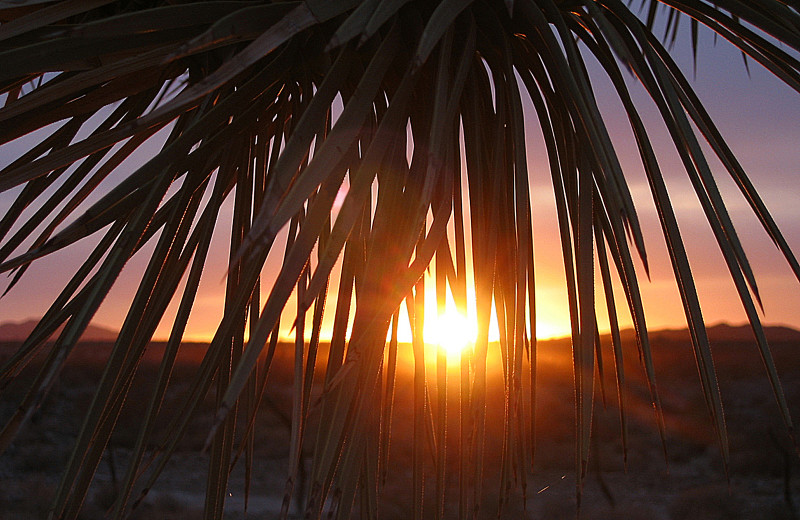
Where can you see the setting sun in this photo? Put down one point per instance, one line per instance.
(452, 331)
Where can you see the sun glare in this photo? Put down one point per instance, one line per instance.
(452, 331)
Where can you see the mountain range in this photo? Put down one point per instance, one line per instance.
(727, 333)
(19, 331)
(722, 332)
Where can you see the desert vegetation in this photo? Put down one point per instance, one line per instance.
(361, 144)
(690, 482)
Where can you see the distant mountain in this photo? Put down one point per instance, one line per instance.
(775, 333)
(724, 333)
(720, 333)
(11, 331)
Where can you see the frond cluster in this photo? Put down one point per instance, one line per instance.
(282, 106)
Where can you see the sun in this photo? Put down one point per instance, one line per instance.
(452, 331)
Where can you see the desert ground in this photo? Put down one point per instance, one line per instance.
(763, 479)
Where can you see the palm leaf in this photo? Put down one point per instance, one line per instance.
(282, 107)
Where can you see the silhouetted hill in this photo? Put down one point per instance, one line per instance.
(10, 331)
(722, 333)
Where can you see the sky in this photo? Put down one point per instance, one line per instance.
(757, 115)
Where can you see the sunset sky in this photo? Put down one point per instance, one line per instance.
(758, 116)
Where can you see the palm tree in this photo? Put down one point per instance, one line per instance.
(281, 107)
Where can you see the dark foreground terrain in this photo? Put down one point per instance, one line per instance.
(764, 480)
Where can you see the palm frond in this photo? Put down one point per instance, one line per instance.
(279, 108)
